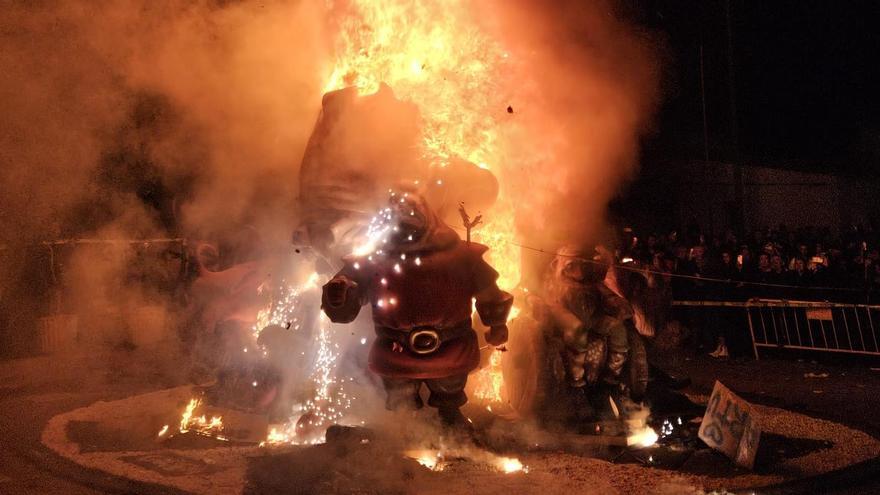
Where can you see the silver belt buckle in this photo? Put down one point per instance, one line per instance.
(424, 341)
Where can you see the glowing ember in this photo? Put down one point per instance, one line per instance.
(163, 431)
(645, 437)
(509, 465)
(276, 437)
(430, 459)
(437, 460)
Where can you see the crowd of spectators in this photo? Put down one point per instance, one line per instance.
(805, 263)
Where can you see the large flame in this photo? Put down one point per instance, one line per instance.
(437, 56)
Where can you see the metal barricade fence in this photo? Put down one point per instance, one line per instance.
(815, 326)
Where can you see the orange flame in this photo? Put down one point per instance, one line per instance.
(199, 424)
(437, 56)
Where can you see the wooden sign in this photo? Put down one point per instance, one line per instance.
(822, 314)
(730, 426)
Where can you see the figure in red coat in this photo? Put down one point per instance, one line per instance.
(421, 285)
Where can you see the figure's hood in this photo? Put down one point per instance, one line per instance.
(438, 235)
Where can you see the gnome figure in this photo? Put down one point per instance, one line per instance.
(421, 283)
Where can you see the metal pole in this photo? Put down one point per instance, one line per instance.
(873, 332)
(752, 331)
(859, 323)
(703, 101)
(738, 183)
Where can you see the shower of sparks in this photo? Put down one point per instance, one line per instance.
(309, 420)
(284, 308)
(381, 225)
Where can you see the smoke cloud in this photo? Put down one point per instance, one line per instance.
(152, 118)
(144, 119)
(589, 89)
(210, 102)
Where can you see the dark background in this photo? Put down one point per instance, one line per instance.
(787, 83)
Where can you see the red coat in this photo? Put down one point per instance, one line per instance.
(431, 288)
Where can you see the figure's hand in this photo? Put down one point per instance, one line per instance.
(337, 290)
(497, 335)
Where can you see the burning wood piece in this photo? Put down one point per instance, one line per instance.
(225, 424)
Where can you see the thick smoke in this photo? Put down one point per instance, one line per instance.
(154, 118)
(146, 119)
(586, 89)
(214, 99)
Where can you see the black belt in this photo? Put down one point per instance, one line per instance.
(424, 340)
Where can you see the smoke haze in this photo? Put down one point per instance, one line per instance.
(588, 89)
(139, 119)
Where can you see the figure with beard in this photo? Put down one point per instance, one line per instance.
(591, 321)
(420, 286)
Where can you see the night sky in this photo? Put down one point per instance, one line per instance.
(805, 77)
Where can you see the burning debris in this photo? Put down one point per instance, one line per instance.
(440, 460)
(198, 424)
(418, 98)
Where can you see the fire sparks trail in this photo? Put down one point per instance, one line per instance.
(436, 55)
(330, 401)
(284, 308)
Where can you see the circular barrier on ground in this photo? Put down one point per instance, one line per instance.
(121, 438)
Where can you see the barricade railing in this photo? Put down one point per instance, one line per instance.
(807, 325)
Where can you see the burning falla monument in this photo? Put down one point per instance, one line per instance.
(376, 210)
(446, 122)
(414, 270)
(361, 147)
(390, 264)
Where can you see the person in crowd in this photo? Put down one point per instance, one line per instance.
(727, 268)
(798, 274)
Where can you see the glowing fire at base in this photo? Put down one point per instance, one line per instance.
(199, 424)
(489, 381)
(510, 465)
(644, 437)
(440, 460)
(428, 458)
